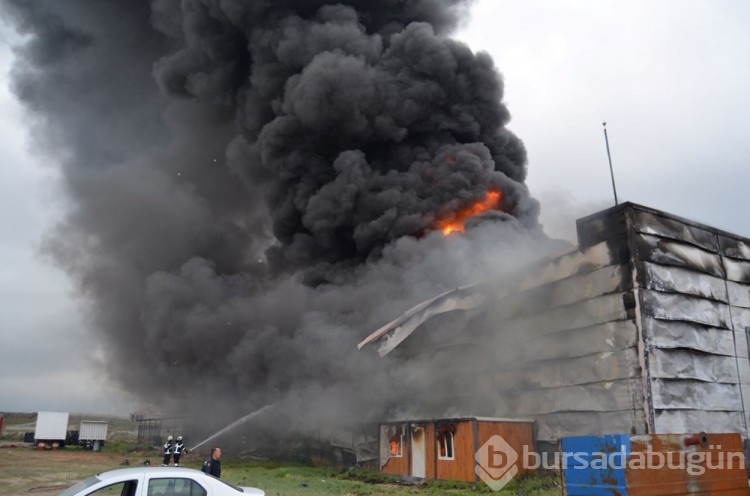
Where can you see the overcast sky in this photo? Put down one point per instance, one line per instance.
(44, 361)
(670, 77)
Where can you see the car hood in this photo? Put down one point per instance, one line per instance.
(253, 490)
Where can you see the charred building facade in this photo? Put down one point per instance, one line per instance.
(642, 328)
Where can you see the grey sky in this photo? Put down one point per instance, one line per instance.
(669, 77)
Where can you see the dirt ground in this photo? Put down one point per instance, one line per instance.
(25, 470)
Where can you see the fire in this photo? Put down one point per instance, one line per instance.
(456, 221)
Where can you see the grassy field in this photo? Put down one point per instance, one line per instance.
(24, 470)
(27, 471)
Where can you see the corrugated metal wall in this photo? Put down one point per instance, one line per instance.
(694, 333)
(641, 329)
(693, 296)
(567, 345)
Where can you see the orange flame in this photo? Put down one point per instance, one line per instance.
(456, 221)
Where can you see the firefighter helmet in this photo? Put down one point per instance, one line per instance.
(179, 438)
(169, 438)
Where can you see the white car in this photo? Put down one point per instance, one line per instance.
(156, 481)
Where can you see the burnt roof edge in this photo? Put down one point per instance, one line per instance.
(636, 206)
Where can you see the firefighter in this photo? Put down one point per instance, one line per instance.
(167, 451)
(179, 449)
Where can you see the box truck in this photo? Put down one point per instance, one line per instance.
(51, 430)
(93, 434)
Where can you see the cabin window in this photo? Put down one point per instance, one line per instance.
(396, 442)
(445, 446)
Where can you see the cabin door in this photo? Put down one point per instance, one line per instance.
(418, 452)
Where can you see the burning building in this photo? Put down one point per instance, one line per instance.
(254, 185)
(446, 448)
(644, 327)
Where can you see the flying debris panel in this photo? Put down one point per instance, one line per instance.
(393, 333)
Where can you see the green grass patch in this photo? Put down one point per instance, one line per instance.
(278, 478)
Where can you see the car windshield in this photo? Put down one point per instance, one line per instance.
(71, 491)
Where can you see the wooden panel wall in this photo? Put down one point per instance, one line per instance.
(393, 465)
(517, 434)
(461, 468)
(396, 466)
(431, 448)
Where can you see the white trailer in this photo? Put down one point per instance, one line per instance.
(51, 429)
(93, 433)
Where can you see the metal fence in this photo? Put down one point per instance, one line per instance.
(155, 430)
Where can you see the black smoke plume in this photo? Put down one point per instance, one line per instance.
(254, 188)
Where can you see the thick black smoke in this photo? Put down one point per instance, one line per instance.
(254, 187)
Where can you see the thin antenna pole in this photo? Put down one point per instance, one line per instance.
(609, 157)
